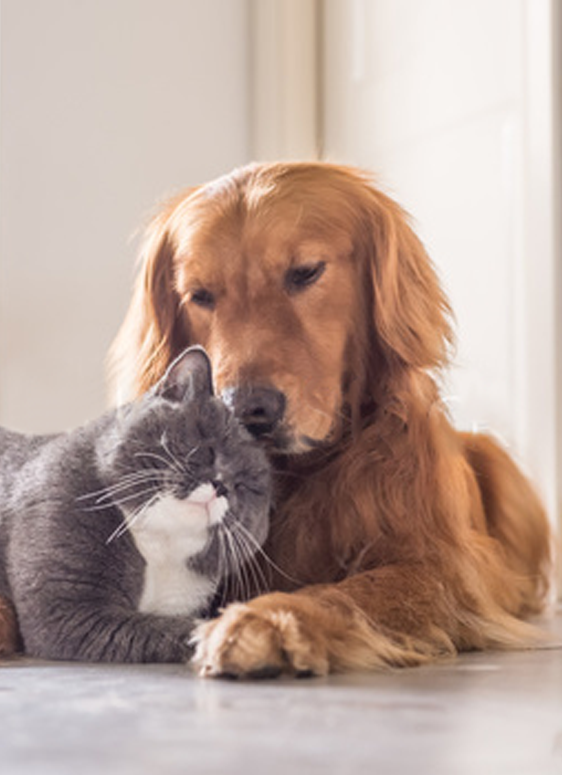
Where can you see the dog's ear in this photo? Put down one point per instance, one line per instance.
(411, 314)
(154, 332)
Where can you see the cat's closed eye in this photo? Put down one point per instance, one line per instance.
(243, 488)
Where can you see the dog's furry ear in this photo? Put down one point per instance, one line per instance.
(154, 332)
(411, 313)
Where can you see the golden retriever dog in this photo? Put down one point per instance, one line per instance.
(395, 539)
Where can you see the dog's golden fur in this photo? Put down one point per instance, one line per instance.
(9, 638)
(395, 539)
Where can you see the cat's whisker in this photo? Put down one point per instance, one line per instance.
(115, 496)
(142, 474)
(242, 587)
(188, 469)
(258, 575)
(130, 519)
(263, 574)
(117, 533)
(263, 554)
(177, 464)
(234, 574)
(255, 580)
(248, 567)
(228, 571)
(192, 452)
(125, 525)
(153, 456)
(138, 474)
(224, 569)
(125, 499)
(124, 483)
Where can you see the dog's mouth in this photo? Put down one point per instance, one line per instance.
(275, 441)
(284, 441)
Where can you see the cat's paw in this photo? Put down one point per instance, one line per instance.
(269, 636)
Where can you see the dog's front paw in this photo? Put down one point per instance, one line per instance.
(261, 639)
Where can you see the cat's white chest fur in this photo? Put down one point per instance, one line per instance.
(167, 534)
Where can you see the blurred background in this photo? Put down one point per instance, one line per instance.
(106, 106)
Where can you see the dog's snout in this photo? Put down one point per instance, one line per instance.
(260, 409)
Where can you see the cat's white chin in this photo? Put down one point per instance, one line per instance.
(206, 497)
(167, 534)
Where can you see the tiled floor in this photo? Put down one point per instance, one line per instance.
(486, 714)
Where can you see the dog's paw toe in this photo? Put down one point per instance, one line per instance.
(260, 644)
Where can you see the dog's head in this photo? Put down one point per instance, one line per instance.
(306, 286)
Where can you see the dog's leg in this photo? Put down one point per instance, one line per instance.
(318, 630)
(395, 616)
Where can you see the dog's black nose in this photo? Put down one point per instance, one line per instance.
(260, 409)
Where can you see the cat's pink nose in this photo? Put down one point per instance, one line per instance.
(220, 488)
(214, 504)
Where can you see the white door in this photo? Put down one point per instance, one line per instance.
(452, 104)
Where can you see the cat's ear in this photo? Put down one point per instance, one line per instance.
(188, 377)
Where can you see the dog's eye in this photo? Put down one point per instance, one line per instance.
(203, 298)
(300, 277)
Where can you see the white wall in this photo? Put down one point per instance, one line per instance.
(450, 102)
(106, 106)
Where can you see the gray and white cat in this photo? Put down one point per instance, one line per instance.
(116, 536)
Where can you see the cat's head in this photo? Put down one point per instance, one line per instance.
(181, 443)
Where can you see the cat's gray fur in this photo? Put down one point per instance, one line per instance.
(68, 559)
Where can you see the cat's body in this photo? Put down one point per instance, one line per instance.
(116, 536)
